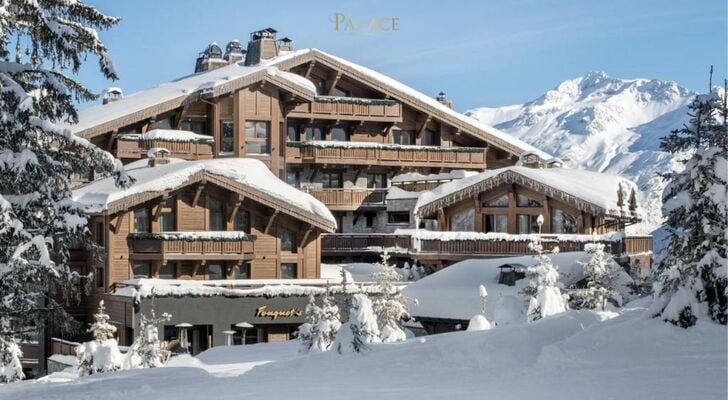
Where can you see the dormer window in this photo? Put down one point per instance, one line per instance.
(217, 215)
(242, 221)
(141, 220)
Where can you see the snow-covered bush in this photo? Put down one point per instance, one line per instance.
(101, 354)
(391, 305)
(479, 322)
(306, 330)
(318, 333)
(692, 278)
(601, 279)
(148, 351)
(361, 329)
(543, 292)
(43, 46)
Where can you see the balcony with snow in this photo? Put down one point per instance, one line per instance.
(349, 109)
(181, 144)
(166, 246)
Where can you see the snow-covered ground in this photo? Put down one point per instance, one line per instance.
(575, 355)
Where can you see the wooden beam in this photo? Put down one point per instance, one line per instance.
(116, 223)
(158, 207)
(198, 193)
(334, 81)
(311, 64)
(270, 221)
(424, 125)
(181, 115)
(238, 201)
(305, 235)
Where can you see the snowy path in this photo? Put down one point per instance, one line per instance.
(574, 355)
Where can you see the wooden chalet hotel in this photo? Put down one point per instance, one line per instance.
(375, 164)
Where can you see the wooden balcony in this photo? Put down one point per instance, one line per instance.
(183, 150)
(354, 153)
(350, 199)
(437, 249)
(191, 246)
(348, 108)
(338, 243)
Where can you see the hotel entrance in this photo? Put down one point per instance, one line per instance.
(264, 333)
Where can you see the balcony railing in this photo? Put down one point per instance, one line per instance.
(445, 248)
(183, 150)
(349, 108)
(192, 246)
(355, 153)
(349, 199)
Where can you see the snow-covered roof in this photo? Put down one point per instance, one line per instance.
(595, 192)
(453, 292)
(172, 94)
(395, 193)
(103, 195)
(444, 176)
(168, 135)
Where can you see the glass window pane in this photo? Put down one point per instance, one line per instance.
(463, 221)
(562, 222)
(288, 271)
(525, 201)
(241, 271)
(217, 215)
(293, 134)
(500, 201)
(242, 221)
(215, 272)
(256, 147)
(167, 271)
(141, 220)
(249, 129)
(501, 223)
(142, 270)
(339, 134)
(261, 130)
(288, 241)
(227, 140)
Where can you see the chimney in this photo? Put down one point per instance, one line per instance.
(158, 156)
(262, 46)
(111, 95)
(285, 44)
(442, 99)
(210, 59)
(234, 52)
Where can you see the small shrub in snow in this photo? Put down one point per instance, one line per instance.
(391, 306)
(543, 291)
(322, 324)
(361, 329)
(148, 351)
(692, 278)
(11, 369)
(101, 354)
(601, 279)
(306, 330)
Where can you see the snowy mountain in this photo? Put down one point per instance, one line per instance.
(604, 124)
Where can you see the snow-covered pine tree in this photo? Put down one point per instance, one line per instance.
(327, 326)
(361, 329)
(543, 291)
(601, 278)
(42, 44)
(307, 330)
(391, 305)
(101, 354)
(148, 351)
(692, 277)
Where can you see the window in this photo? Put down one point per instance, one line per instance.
(198, 127)
(141, 220)
(217, 215)
(313, 133)
(215, 272)
(242, 221)
(463, 221)
(331, 180)
(99, 277)
(227, 137)
(292, 177)
(167, 221)
(288, 240)
(339, 92)
(339, 134)
(525, 201)
(527, 224)
(168, 271)
(142, 270)
(403, 137)
(99, 234)
(398, 217)
(377, 181)
(500, 201)
(293, 133)
(429, 138)
(496, 223)
(369, 217)
(562, 222)
(288, 270)
(164, 123)
(256, 137)
(241, 271)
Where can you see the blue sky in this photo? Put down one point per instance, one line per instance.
(482, 53)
